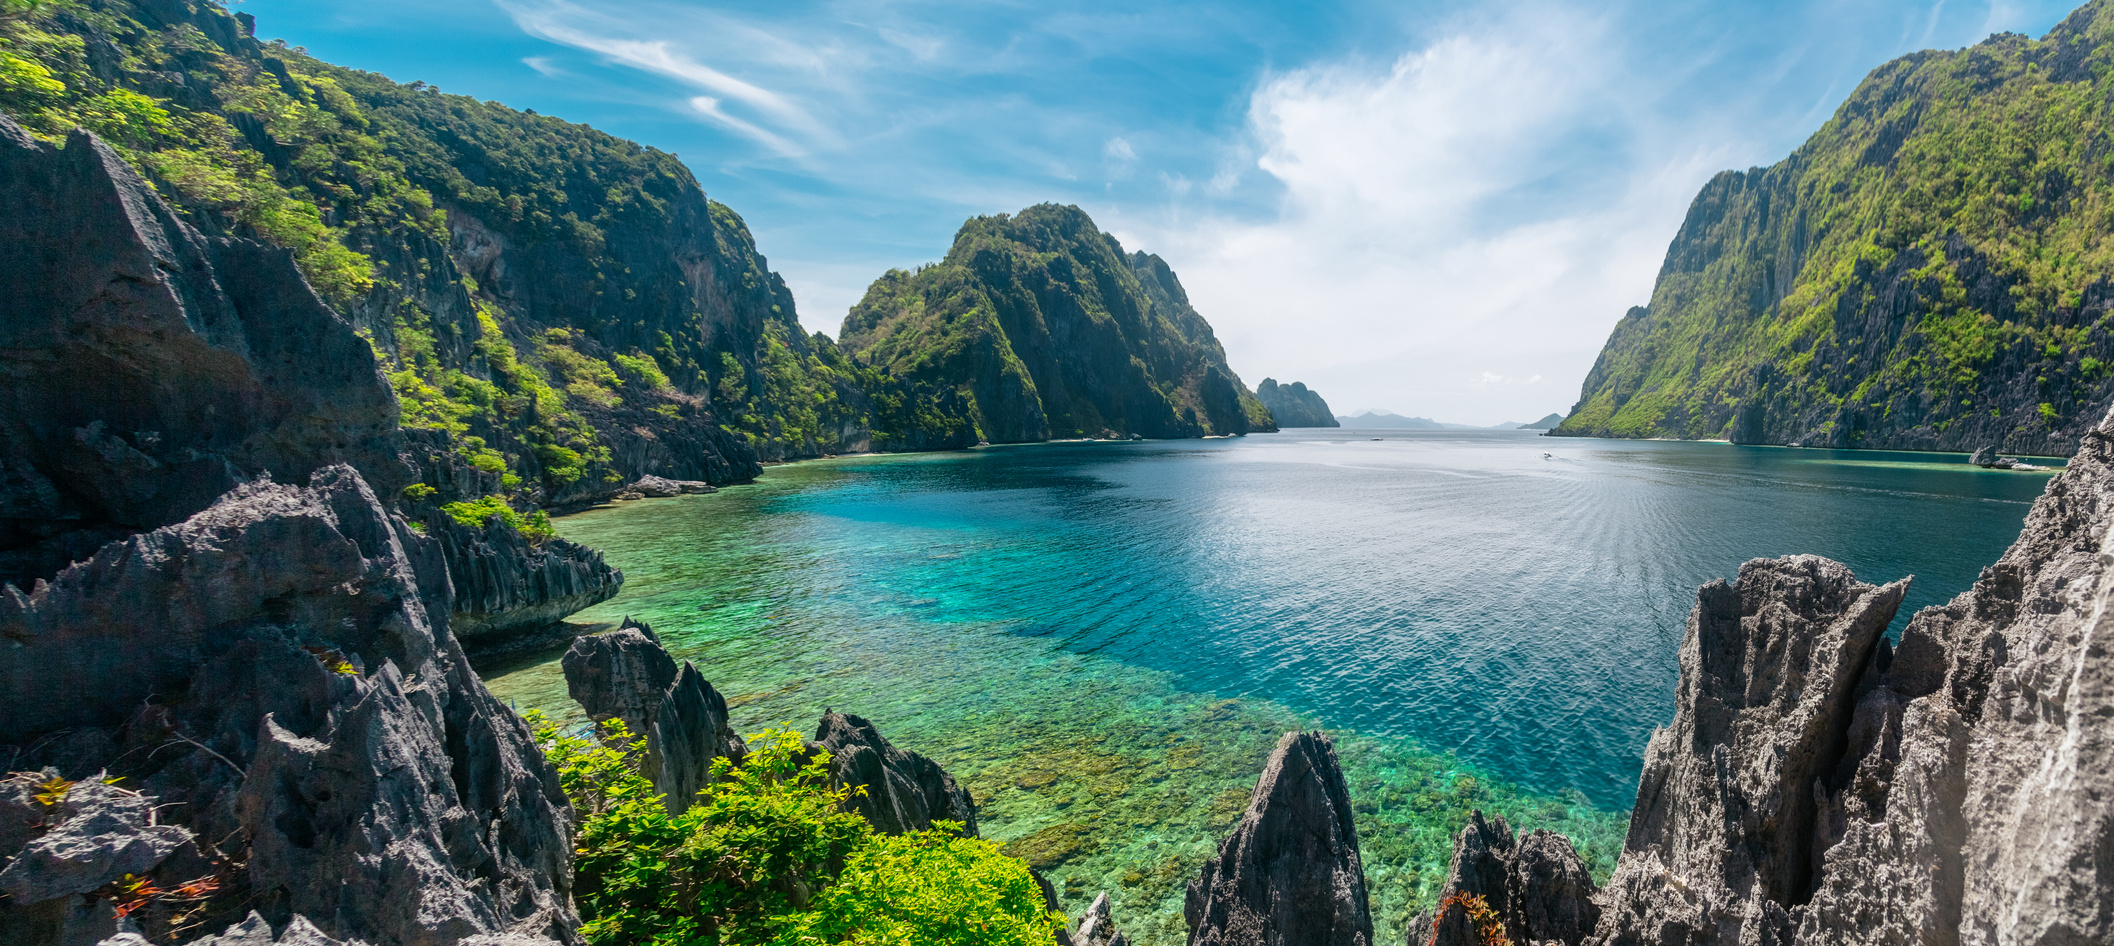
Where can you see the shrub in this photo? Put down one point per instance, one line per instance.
(536, 525)
(768, 857)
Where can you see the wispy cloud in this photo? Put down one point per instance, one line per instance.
(570, 25)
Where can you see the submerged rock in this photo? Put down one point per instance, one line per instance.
(1290, 874)
(904, 790)
(277, 676)
(626, 674)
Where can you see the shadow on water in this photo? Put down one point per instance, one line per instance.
(1104, 640)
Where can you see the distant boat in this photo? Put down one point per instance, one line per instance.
(1548, 456)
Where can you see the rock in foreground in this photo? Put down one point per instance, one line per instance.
(1290, 874)
(626, 674)
(905, 791)
(276, 673)
(1535, 885)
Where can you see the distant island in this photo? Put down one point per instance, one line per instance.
(1294, 405)
(1388, 420)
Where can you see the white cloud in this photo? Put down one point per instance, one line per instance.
(1435, 243)
(564, 23)
(1119, 151)
(543, 65)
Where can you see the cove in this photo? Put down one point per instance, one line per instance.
(1103, 640)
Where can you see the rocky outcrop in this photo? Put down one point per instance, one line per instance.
(1721, 845)
(1987, 459)
(627, 675)
(505, 583)
(276, 674)
(1818, 786)
(145, 369)
(904, 791)
(654, 487)
(1290, 874)
(1535, 885)
(1097, 928)
(1294, 406)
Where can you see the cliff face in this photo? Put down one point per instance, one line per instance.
(275, 678)
(146, 369)
(1292, 405)
(1047, 329)
(1930, 271)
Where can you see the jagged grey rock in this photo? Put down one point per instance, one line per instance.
(278, 674)
(506, 584)
(1720, 845)
(904, 790)
(1290, 874)
(626, 674)
(95, 835)
(1963, 791)
(254, 931)
(1535, 882)
(655, 487)
(1097, 927)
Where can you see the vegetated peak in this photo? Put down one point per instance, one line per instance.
(1932, 269)
(1049, 328)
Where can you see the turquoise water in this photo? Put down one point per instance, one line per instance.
(1103, 640)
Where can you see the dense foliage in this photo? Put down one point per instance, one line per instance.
(1933, 269)
(1048, 329)
(767, 855)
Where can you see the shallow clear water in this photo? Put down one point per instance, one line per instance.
(1104, 640)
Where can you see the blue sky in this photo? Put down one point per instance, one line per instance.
(1431, 208)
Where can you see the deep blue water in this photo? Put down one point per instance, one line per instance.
(1103, 639)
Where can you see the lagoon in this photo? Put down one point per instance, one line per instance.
(1103, 640)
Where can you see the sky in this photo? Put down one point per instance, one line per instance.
(1438, 209)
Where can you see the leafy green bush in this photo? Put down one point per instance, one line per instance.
(768, 857)
(536, 525)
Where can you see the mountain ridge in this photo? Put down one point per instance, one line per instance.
(1931, 270)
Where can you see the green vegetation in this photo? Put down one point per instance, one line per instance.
(536, 525)
(1928, 271)
(1135, 357)
(767, 855)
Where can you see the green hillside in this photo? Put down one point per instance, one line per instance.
(1049, 330)
(1931, 270)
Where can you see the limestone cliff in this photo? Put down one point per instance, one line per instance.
(1292, 405)
(1047, 329)
(1929, 271)
(146, 369)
